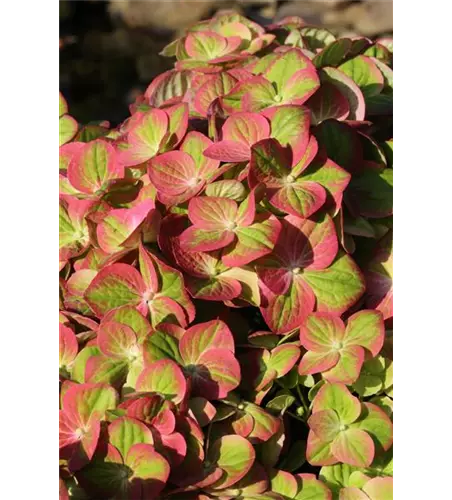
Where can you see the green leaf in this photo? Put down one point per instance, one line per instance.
(364, 72)
(124, 432)
(353, 446)
(281, 402)
(161, 345)
(317, 38)
(377, 424)
(371, 193)
(68, 129)
(338, 287)
(79, 366)
(333, 54)
(234, 455)
(338, 398)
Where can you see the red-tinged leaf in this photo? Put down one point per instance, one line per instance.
(195, 144)
(216, 288)
(163, 377)
(352, 493)
(215, 373)
(321, 332)
(310, 488)
(250, 95)
(202, 410)
(366, 329)
(285, 66)
(337, 287)
(235, 28)
(379, 488)
(318, 451)
(117, 341)
(199, 338)
(124, 432)
(300, 87)
(175, 177)
(348, 88)
(129, 316)
(216, 86)
(308, 155)
(353, 447)
(377, 424)
(242, 424)
(68, 346)
(328, 102)
(290, 127)
(348, 368)
(317, 362)
(68, 128)
(332, 177)
(67, 151)
(299, 198)
(150, 471)
(283, 313)
(302, 244)
(337, 397)
(145, 138)
(165, 309)
(205, 46)
(247, 128)
(119, 227)
(166, 87)
(89, 402)
(194, 239)
(365, 73)
(333, 54)
(228, 151)
(115, 286)
(101, 369)
(235, 456)
(63, 492)
(93, 166)
(174, 448)
(252, 485)
(265, 424)
(254, 241)
(246, 212)
(270, 163)
(325, 424)
(76, 286)
(211, 213)
(177, 125)
(284, 483)
(171, 284)
(77, 443)
(148, 272)
(283, 358)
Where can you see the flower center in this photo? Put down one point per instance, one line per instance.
(148, 295)
(290, 179)
(337, 345)
(194, 181)
(230, 226)
(277, 98)
(241, 406)
(342, 427)
(296, 270)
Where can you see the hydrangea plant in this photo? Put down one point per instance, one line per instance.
(226, 274)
